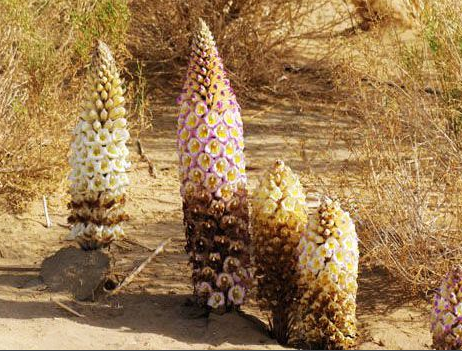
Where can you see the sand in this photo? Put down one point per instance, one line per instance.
(154, 312)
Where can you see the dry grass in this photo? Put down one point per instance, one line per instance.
(257, 39)
(44, 47)
(406, 95)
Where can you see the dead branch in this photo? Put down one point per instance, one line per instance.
(45, 211)
(19, 269)
(145, 158)
(67, 308)
(137, 271)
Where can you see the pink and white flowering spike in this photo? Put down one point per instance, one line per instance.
(446, 314)
(213, 179)
(99, 157)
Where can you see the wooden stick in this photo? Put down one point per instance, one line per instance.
(45, 210)
(19, 269)
(67, 226)
(137, 271)
(67, 308)
(146, 159)
(137, 243)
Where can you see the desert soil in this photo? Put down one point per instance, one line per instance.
(152, 312)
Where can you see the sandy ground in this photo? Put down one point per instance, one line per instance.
(152, 313)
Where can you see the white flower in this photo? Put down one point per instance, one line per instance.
(107, 232)
(103, 136)
(106, 166)
(89, 169)
(88, 139)
(118, 165)
(316, 264)
(109, 125)
(117, 112)
(124, 179)
(112, 151)
(97, 125)
(97, 183)
(119, 135)
(111, 181)
(96, 152)
(120, 123)
(104, 115)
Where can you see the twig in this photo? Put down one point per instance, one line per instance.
(45, 210)
(137, 271)
(146, 159)
(266, 110)
(137, 243)
(67, 308)
(19, 269)
(65, 225)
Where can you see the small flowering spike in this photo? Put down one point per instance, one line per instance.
(446, 315)
(328, 264)
(212, 173)
(99, 158)
(278, 219)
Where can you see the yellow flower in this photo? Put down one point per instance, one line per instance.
(203, 131)
(204, 160)
(184, 134)
(221, 132)
(316, 264)
(194, 146)
(196, 175)
(192, 121)
(228, 117)
(275, 193)
(288, 204)
(269, 207)
(232, 175)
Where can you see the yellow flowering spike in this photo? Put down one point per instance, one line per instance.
(99, 158)
(278, 219)
(328, 265)
(446, 315)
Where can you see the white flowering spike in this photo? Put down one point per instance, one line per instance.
(328, 264)
(99, 157)
(278, 219)
(446, 314)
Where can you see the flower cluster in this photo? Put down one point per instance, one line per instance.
(328, 263)
(446, 315)
(278, 219)
(99, 157)
(212, 173)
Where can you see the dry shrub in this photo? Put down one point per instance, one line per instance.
(44, 46)
(403, 12)
(257, 39)
(407, 97)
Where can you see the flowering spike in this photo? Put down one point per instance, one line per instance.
(212, 173)
(99, 157)
(278, 219)
(446, 315)
(328, 263)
